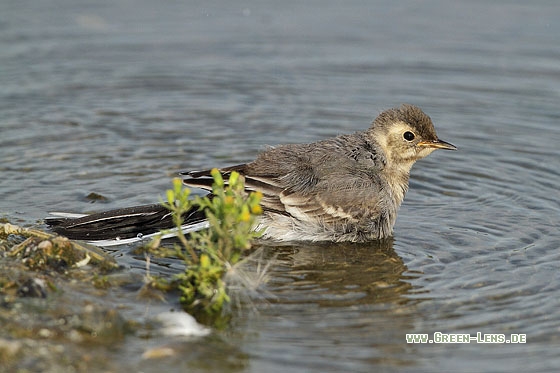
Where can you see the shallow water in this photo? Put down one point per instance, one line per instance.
(115, 97)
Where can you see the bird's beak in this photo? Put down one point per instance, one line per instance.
(437, 144)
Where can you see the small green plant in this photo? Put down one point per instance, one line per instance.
(209, 254)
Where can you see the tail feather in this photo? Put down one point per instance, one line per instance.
(131, 224)
(122, 224)
(208, 173)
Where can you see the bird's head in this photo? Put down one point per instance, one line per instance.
(405, 134)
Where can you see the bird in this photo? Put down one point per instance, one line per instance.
(343, 189)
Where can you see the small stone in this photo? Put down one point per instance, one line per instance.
(45, 245)
(180, 324)
(158, 353)
(33, 288)
(44, 333)
(9, 349)
(94, 197)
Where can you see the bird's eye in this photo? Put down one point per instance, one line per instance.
(408, 136)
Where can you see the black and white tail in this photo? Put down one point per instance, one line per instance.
(123, 226)
(133, 224)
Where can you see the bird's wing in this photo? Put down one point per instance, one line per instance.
(270, 188)
(347, 198)
(340, 196)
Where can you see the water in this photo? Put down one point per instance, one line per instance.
(114, 97)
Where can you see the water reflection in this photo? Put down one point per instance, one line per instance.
(340, 274)
(336, 306)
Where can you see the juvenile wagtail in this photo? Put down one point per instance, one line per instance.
(347, 188)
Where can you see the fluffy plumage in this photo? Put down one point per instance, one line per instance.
(347, 188)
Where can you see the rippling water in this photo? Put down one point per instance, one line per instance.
(115, 97)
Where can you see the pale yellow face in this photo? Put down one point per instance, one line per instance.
(402, 145)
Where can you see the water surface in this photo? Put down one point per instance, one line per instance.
(115, 97)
